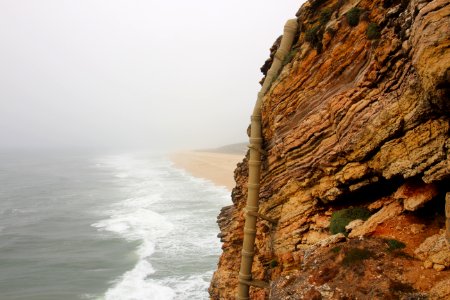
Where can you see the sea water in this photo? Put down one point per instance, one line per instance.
(124, 226)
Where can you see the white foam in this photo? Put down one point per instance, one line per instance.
(137, 224)
(134, 220)
(138, 202)
(133, 285)
(150, 188)
(191, 287)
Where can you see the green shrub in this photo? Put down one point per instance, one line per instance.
(314, 37)
(394, 244)
(271, 264)
(341, 218)
(325, 16)
(373, 33)
(311, 35)
(317, 3)
(355, 255)
(353, 16)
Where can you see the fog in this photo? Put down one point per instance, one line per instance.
(132, 74)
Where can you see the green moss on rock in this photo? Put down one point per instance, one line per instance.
(341, 218)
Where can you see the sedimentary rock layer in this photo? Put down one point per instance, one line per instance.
(356, 113)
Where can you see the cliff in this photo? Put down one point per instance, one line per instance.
(355, 127)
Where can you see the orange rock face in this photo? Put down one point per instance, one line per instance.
(349, 121)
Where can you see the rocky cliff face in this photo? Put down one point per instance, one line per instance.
(358, 119)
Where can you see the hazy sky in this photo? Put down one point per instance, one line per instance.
(132, 73)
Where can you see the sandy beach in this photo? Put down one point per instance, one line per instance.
(214, 166)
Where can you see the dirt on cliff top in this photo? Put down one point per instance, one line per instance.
(366, 268)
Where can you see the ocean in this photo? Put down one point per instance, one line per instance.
(91, 226)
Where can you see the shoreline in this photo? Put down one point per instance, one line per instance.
(217, 167)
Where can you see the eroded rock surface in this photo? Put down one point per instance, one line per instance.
(350, 121)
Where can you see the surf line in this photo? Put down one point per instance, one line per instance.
(252, 206)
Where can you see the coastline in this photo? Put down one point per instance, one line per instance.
(215, 166)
